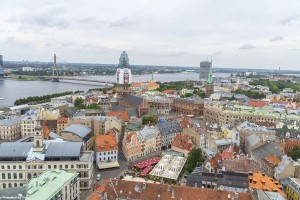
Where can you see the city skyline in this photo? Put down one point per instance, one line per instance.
(256, 34)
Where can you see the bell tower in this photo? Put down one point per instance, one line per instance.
(123, 76)
(38, 140)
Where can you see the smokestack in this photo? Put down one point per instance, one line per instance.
(173, 194)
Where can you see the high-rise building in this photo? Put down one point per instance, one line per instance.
(209, 86)
(204, 70)
(123, 76)
(1, 66)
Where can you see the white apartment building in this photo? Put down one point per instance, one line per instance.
(28, 123)
(10, 129)
(19, 162)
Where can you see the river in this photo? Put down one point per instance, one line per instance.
(11, 90)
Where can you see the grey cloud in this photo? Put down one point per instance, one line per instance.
(277, 38)
(294, 49)
(247, 46)
(124, 22)
(291, 20)
(218, 53)
(47, 18)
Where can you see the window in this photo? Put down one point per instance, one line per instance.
(72, 166)
(66, 166)
(20, 176)
(60, 166)
(9, 176)
(15, 176)
(49, 166)
(3, 175)
(8, 166)
(20, 166)
(2, 166)
(54, 166)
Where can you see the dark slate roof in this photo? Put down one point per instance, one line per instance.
(169, 127)
(113, 105)
(9, 193)
(63, 149)
(78, 129)
(119, 108)
(69, 112)
(238, 180)
(270, 148)
(132, 112)
(132, 100)
(190, 100)
(15, 150)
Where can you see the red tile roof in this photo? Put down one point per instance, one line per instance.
(106, 142)
(182, 142)
(119, 114)
(151, 191)
(257, 103)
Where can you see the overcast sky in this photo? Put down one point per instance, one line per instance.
(236, 33)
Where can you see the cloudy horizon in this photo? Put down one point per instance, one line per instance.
(243, 34)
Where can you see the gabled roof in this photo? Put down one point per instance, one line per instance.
(169, 127)
(106, 142)
(15, 150)
(132, 100)
(63, 149)
(134, 190)
(78, 129)
(182, 142)
(119, 114)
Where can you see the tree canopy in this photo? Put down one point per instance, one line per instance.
(295, 153)
(251, 94)
(195, 158)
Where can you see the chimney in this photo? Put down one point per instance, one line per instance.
(173, 194)
(144, 186)
(169, 188)
(105, 196)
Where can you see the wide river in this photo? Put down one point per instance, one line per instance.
(11, 90)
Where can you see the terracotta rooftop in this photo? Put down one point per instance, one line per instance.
(62, 120)
(169, 91)
(182, 142)
(106, 142)
(231, 152)
(119, 114)
(150, 191)
(152, 84)
(136, 84)
(242, 164)
(263, 182)
(257, 103)
(272, 160)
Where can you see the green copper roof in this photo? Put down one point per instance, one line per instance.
(124, 60)
(48, 184)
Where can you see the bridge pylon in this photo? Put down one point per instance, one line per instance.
(55, 74)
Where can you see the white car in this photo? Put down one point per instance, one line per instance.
(98, 177)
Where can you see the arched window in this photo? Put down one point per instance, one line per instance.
(15, 185)
(9, 185)
(4, 185)
(28, 176)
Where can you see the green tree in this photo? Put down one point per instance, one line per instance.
(195, 158)
(93, 106)
(295, 153)
(188, 95)
(79, 103)
(149, 119)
